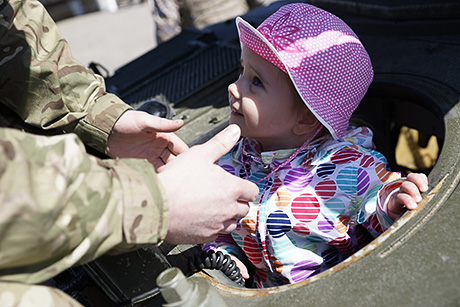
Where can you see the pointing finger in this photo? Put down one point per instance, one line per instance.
(220, 144)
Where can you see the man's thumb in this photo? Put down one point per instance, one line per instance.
(221, 143)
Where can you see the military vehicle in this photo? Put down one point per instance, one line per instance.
(413, 106)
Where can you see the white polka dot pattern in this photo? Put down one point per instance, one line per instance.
(325, 59)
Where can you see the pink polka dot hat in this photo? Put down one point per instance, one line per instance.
(324, 58)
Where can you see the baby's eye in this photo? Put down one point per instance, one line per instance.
(256, 81)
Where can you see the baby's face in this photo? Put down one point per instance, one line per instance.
(264, 103)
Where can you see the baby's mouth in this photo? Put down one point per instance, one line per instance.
(235, 111)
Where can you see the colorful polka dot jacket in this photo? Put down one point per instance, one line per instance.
(313, 212)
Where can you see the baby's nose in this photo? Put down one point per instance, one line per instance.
(233, 91)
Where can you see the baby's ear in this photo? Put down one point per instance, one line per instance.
(306, 123)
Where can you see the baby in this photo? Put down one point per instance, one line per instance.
(324, 191)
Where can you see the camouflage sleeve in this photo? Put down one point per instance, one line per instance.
(44, 85)
(61, 207)
(16, 294)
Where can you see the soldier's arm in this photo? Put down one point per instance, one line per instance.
(16, 294)
(61, 207)
(44, 85)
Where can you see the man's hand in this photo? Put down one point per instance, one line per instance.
(408, 196)
(204, 199)
(138, 134)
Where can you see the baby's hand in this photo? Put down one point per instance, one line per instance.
(243, 270)
(408, 195)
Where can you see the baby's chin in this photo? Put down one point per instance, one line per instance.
(242, 127)
(235, 120)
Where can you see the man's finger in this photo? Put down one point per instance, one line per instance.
(157, 164)
(229, 226)
(159, 124)
(176, 145)
(221, 143)
(206, 240)
(241, 210)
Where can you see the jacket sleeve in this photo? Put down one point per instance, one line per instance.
(44, 85)
(62, 207)
(16, 294)
(379, 184)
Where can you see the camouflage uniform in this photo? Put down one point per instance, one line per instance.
(171, 16)
(59, 206)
